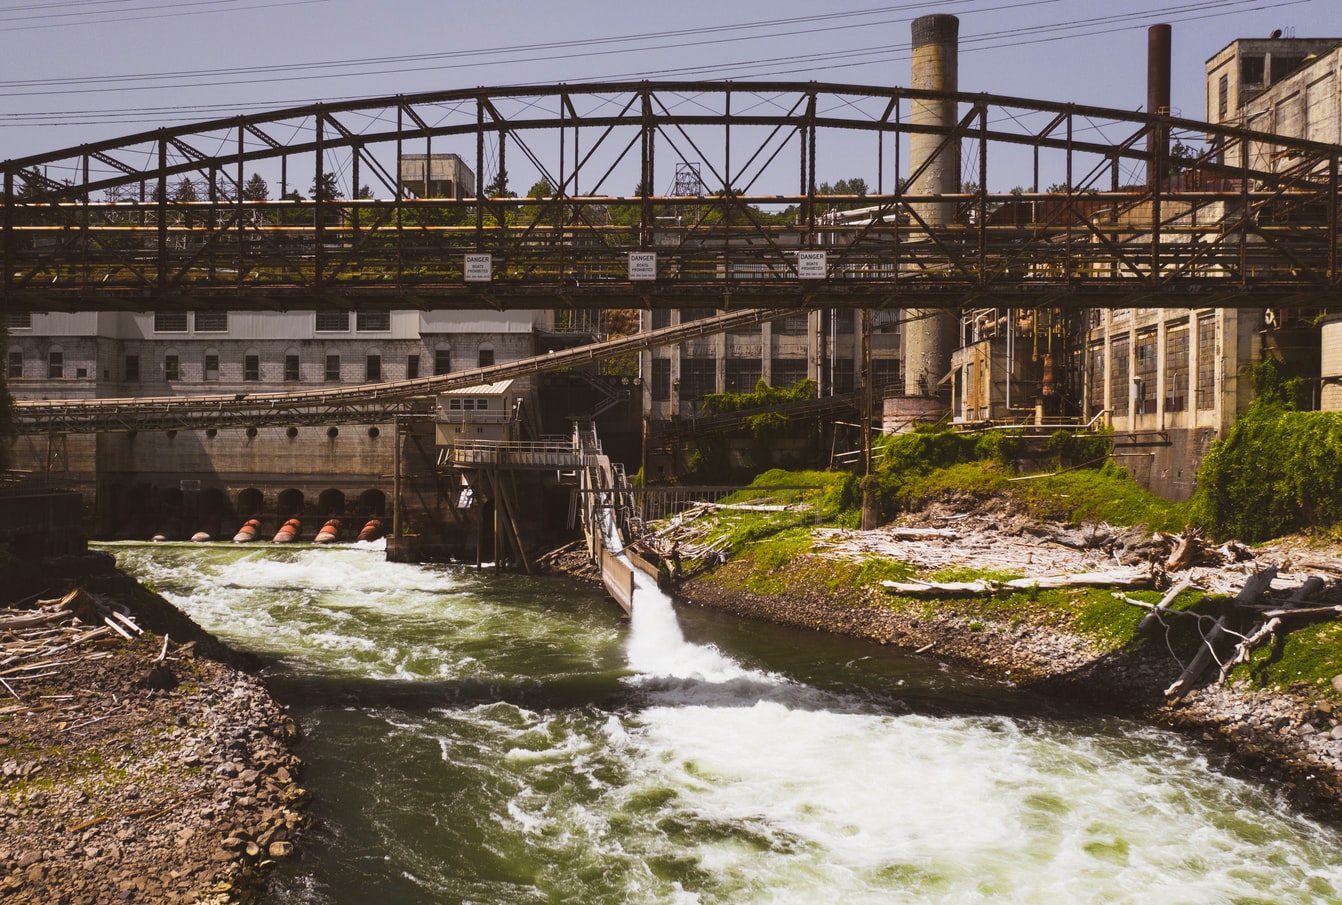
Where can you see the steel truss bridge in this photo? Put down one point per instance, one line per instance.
(1111, 215)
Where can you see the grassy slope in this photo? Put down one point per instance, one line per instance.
(776, 554)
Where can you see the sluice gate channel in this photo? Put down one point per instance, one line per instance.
(602, 503)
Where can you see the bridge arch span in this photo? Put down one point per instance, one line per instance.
(724, 182)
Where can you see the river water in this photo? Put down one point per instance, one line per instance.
(474, 738)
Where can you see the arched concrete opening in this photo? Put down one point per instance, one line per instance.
(211, 514)
(251, 503)
(373, 503)
(133, 513)
(290, 504)
(331, 503)
(169, 522)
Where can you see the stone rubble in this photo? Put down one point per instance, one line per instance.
(112, 791)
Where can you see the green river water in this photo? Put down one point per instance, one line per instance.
(474, 738)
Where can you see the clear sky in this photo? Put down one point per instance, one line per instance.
(81, 70)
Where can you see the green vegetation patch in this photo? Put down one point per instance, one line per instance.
(1277, 471)
(1307, 655)
(1098, 495)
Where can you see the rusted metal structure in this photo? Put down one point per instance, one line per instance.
(107, 226)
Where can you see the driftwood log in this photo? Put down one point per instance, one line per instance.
(1254, 588)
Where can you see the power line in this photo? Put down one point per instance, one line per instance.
(83, 16)
(772, 66)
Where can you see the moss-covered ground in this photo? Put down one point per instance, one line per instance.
(778, 554)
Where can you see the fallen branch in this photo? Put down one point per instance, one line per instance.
(1128, 578)
(1184, 683)
(1254, 587)
(976, 588)
(1150, 620)
(1245, 647)
(28, 620)
(1303, 611)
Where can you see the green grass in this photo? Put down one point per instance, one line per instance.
(1308, 655)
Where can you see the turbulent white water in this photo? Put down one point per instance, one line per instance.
(492, 740)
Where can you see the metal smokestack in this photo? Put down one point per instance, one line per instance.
(1157, 93)
(929, 336)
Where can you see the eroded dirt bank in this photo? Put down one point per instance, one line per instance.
(130, 769)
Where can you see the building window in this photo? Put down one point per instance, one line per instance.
(887, 372)
(373, 321)
(742, 374)
(172, 367)
(1144, 370)
(373, 368)
(796, 325)
(251, 367)
(844, 377)
(20, 320)
(411, 367)
(843, 322)
(486, 356)
(661, 380)
(211, 366)
(169, 321)
(442, 361)
(1095, 378)
(291, 373)
(1120, 386)
(15, 369)
(1251, 72)
(211, 321)
(1206, 385)
(55, 364)
(698, 377)
(333, 367)
(787, 372)
(1223, 104)
(132, 369)
(1176, 368)
(332, 321)
(688, 315)
(661, 317)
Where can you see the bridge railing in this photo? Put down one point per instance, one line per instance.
(63, 250)
(552, 453)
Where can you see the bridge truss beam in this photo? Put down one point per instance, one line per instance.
(164, 219)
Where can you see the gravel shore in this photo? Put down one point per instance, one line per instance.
(134, 770)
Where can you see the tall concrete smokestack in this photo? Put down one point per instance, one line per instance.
(1157, 89)
(929, 336)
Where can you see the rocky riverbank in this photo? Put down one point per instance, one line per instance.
(1290, 737)
(140, 759)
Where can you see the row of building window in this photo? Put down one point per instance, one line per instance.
(1139, 388)
(842, 321)
(251, 366)
(698, 376)
(217, 321)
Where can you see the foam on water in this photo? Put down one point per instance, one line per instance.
(710, 782)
